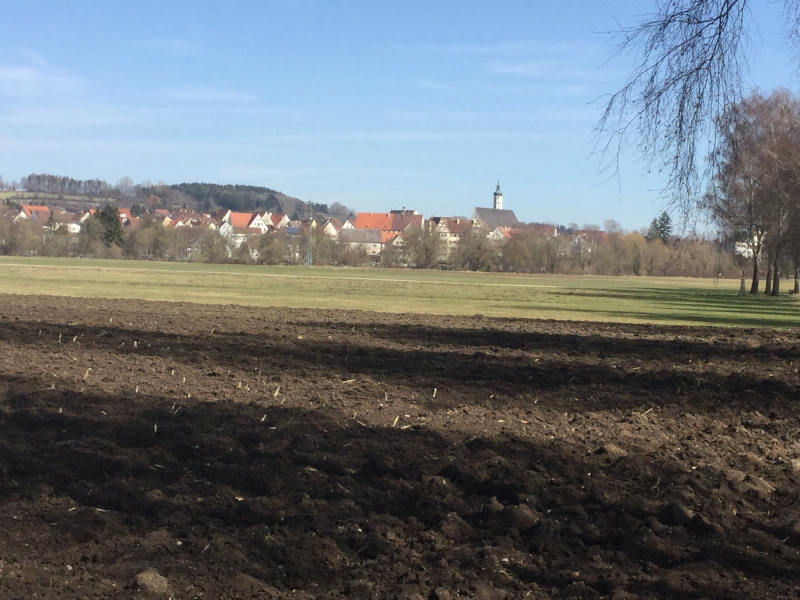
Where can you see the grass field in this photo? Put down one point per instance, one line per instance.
(621, 299)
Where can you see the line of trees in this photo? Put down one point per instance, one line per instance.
(619, 253)
(755, 192)
(43, 183)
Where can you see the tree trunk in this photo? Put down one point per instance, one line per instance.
(754, 285)
(797, 279)
(776, 279)
(769, 280)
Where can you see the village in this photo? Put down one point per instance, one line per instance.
(369, 234)
(489, 239)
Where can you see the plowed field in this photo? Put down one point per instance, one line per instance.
(232, 452)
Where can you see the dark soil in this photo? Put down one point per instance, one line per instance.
(230, 452)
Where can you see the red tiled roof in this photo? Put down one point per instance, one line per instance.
(387, 237)
(29, 209)
(597, 237)
(62, 216)
(399, 221)
(367, 220)
(337, 223)
(394, 221)
(240, 219)
(185, 213)
(458, 225)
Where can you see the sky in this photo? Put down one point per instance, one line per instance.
(375, 105)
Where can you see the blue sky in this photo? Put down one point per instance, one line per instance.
(374, 105)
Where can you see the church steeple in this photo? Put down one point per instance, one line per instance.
(498, 197)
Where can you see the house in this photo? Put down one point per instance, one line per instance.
(368, 220)
(71, 222)
(54, 219)
(451, 230)
(400, 220)
(499, 234)
(251, 220)
(124, 215)
(238, 227)
(590, 238)
(36, 213)
(161, 215)
(238, 235)
(391, 238)
(743, 249)
(279, 221)
(188, 218)
(395, 220)
(368, 240)
(332, 227)
(220, 215)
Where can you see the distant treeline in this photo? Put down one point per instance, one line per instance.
(242, 197)
(101, 236)
(43, 183)
(198, 196)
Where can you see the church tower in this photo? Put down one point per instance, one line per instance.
(498, 198)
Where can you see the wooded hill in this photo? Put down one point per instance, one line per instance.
(245, 198)
(76, 194)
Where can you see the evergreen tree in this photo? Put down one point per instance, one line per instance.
(112, 228)
(660, 228)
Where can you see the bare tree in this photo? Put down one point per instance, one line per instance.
(125, 186)
(735, 200)
(782, 166)
(611, 226)
(756, 185)
(422, 245)
(794, 248)
(689, 60)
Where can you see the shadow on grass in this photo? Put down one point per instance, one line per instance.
(693, 305)
(297, 500)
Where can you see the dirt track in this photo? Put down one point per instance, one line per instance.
(260, 453)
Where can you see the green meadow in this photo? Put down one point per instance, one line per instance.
(621, 299)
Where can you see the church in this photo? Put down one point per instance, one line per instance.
(492, 218)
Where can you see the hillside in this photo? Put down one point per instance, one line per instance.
(245, 198)
(76, 195)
